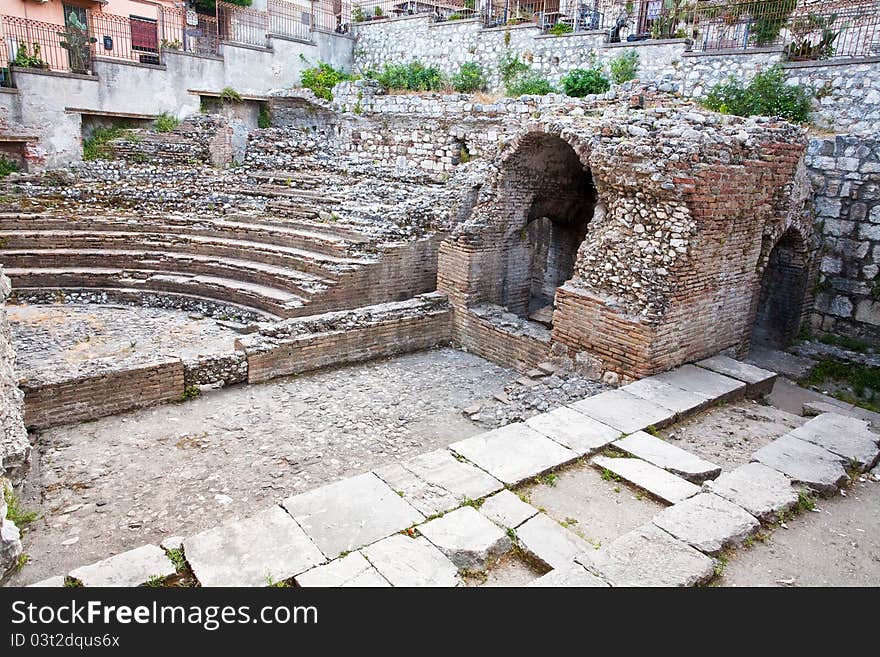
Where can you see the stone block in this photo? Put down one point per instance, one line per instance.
(707, 522)
(669, 457)
(624, 412)
(470, 540)
(847, 437)
(578, 432)
(758, 380)
(705, 382)
(545, 540)
(656, 481)
(760, 490)
(507, 510)
(133, 568)
(804, 462)
(405, 561)
(573, 575)
(352, 570)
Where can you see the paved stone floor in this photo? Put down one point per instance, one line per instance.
(53, 339)
(112, 484)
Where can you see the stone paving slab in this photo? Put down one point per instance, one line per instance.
(352, 570)
(669, 457)
(506, 509)
(267, 548)
(470, 540)
(405, 561)
(578, 432)
(437, 482)
(668, 396)
(648, 556)
(760, 490)
(707, 522)
(351, 513)
(705, 382)
(573, 575)
(49, 583)
(513, 453)
(132, 568)
(804, 462)
(847, 437)
(550, 543)
(624, 412)
(758, 380)
(656, 481)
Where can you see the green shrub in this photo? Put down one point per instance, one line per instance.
(770, 18)
(414, 76)
(469, 78)
(322, 78)
(7, 167)
(583, 81)
(230, 95)
(15, 512)
(561, 28)
(95, 147)
(264, 120)
(624, 66)
(766, 95)
(455, 17)
(510, 67)
(529, 83)
(166, 122)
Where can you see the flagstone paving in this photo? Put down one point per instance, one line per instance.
(448, 517)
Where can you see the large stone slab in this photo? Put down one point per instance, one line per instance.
(54, 582)
(352, 570)
(351, 513)
(847, 437)
(669, 457)
(573, 575)
(624, 411)
(707, 522)
(656, 481)
(507, 510)
(132, 568)
(406, 561)
(667, 395)
(705, 382)
(804, 462)
(758, 380)
(550, 543)
(470, 540)
(760, 490)
(267, 548)
(578, 432)
(648, 556)
(437, 482)
(513, 453)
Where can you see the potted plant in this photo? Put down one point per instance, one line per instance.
(802, 47)
(29, 59)
(75, 40)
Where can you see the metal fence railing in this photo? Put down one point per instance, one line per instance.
(35, 44)
(128, 38)
(188, 31)
(242, 25)
(332, 16)
(290, 18)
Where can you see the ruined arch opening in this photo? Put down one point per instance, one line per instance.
(780, 303)
(553, 198)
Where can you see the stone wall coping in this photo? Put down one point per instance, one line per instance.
(127, 62)
(183, 53)
(727, 52)
(245, 46)
(503, 28)
(571, 34)
(454, 23)
(19, 70)
(8, 90)
(332, 33)
(826, 63)
(286, 37)
(388, 19)
(644, 43)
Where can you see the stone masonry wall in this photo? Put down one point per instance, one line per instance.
(845, 172)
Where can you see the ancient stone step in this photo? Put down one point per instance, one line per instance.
(760, 490)
(133, 568)
(623, 411)
(705, 382)
(348, 514)
(669, 396)
(804, 462)
(758, 381)
(471, 541)
(545, 540)
(573, 575)
(663, 485)
(669, 457)
(578, 432)
(259, 551)
(405, 561)
(648, 556)
(847, 437)
(507, 510)
(352, 570)
(707, 522)
(513, 453)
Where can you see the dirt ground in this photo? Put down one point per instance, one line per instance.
(112, 484)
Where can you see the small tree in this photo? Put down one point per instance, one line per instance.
(75, 40)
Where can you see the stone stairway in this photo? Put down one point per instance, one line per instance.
(439, 518)
(281, 268)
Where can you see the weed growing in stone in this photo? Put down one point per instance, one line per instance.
(22, 561)
(863, 381)
(230, 95)
(469, 78)
(191, 392)
(166, 122)
(322, 78)
(584, 81)
(156, 581)
(767, 94)
(805, 502)
(264, 120)
(15, 512)
(96, 146)
(177, 558)
(624, 66)
(7, 167)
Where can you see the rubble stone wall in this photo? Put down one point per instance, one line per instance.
(845, 172)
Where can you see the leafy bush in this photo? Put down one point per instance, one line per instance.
(95, 147)
(624, 66)
(561, 28)
(414, 76)
(7, 167)
(166, 122)
(510, 66)
(264, 120)
(529, 83)
(322, 78)
(766, 95)
(770, 18)
(469, 78)
(230, 95)
(455, 17)
(583, 81)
